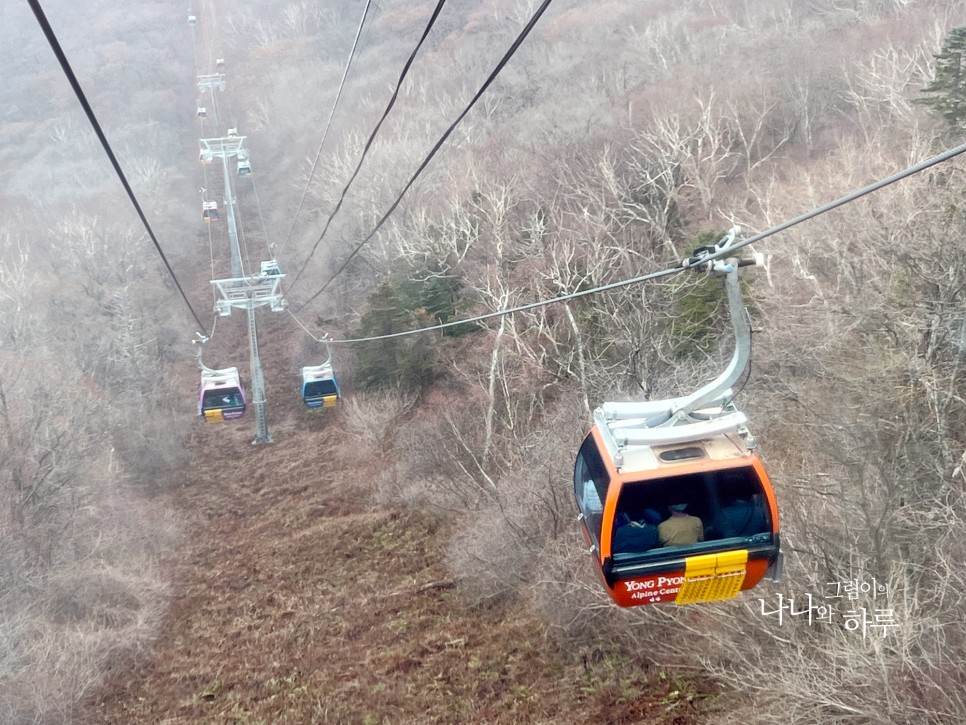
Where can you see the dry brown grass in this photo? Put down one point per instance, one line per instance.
(296, 601)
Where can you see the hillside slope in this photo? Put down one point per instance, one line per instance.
(296, 601)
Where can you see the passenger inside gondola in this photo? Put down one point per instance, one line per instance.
(636, 535)
(742, 509)
(680, 528)
(688, 494)
(691, 509)
(742, 517)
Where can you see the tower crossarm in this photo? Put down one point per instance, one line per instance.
(211, 82)
(248, 293)
(223, 147)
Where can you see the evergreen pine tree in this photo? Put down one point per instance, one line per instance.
(947, 93)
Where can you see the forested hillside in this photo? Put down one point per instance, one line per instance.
(621, 135)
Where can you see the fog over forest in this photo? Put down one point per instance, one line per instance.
(621, 135)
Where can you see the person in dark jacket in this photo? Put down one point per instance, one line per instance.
(636, 537)
(742, 517)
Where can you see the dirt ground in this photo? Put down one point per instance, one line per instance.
(296, 600)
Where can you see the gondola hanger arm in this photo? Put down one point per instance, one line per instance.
(200, 340)
(717, 392)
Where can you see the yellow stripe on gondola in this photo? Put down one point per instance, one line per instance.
(330, 401)
(713, 577)
(215, 416)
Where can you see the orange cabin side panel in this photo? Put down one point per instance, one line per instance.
(664, 587)
(769, 492)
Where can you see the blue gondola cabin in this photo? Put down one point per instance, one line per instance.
(319, 387)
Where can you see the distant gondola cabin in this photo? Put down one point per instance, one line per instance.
(319, 387)
(687, 517)
(270, 268)
(209, 211)
(222, 396)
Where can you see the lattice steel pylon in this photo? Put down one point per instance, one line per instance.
(226, 148)
(241, 291)
(250, 293)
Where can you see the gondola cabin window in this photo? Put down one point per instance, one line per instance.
(590, 487)
(320, 388)
(222, 399)
(728, 504)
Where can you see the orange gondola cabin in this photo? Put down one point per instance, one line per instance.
(629, 483)
(674, 501)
